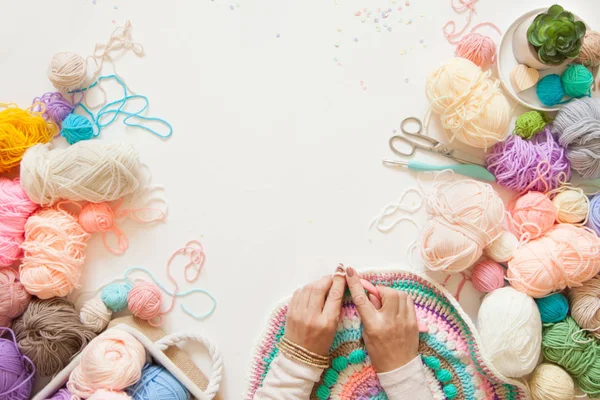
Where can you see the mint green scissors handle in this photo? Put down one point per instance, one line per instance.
(470, 170)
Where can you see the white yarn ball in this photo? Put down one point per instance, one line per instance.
(90, 170)
(67, 71)
(551, 382)
(572, 205)
(95, 315)
(510, 327)
(502, 249)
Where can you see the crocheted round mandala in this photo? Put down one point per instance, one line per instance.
(455, 365)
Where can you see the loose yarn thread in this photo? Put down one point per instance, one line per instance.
(14, 299)
(157, 382)
(531, 215)
(585, 305)
(550, 382)
(553, 308)
(16, 370)
(530, 123)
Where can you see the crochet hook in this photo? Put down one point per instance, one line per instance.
(470, 170)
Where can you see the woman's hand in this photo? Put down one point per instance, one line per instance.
(313, 314)
(390, 330)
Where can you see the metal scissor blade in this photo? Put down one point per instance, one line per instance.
(465, 158)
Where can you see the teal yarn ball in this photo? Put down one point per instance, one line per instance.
(158, 383)
(577, 81)
(553, 308)
(76, 128)
(550, 90)
(114, 296)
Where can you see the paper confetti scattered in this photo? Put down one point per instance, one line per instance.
(337, 44)
(116, 7)
(339, 29)
(278, 36)
(355, 40)
(363, 86)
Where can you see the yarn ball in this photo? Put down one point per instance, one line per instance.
(553, 308)
(15, 208)
(112, 361)
(158, 383)
(105, 172)
(550, 90)
(464, 217)
(13, 296)
(566, 256)
(470, 104)
(589, 55)
(487, 276)
(115, 295)
(577, 81)
(56, 107)
(530, 123)
(76, 128)
(110, 395)
(565, 344)
(95, 315)
(577, 127)
(54, 250)
(502, 249)
(585, 305)
(67, 71)
(144, 300)
(510, 328)
(20, 130)
(531, 215)
(96, 217)
(517, 163)
(62, 394)
(479, 49)
(572, 205)
(51, 334)
(16, 371)
(594, 214)
(550, 382)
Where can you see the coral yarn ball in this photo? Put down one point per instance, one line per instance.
(532, 215)
(96, 217)
(487, 276)
(144, 300)
(479, 49)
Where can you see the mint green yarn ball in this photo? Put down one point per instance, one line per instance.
(339, 363)
(450, 391)
(553, 308)
(577, 81)
(114, 296)
(432, 362)
(330, 378)
(443, 375)
(550, 90)
(357, 356)
(323, 392)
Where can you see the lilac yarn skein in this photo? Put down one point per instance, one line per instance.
(16, 370)
(518, 164)
(62, 394)
(57, 107)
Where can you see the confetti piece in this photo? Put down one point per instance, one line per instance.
(422, 15)
(399, 8)
(400, 21)
(94, 2)
(116, 7)
(394, 131)
(310, 221)
(394, 1)
(335, 59)
(407, 4)
(406, 80)
(376, 20)
(237, 5)
(358, 13)
(337, 44)
(339, 64)
(363, 20)
(355, 40)
(364, 88)
(278, 36)
(339, 29)
(114, 22)
(421, 41)
(361, 83)
(389, 28)
(231, 8)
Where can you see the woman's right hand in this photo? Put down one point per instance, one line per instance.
(390, 331)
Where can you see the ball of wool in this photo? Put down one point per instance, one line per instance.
(565, 344)
(530, 123)
(76, 128)
(585, 305)
(110, 395)
(17, 372)
(577, 81)
(566, 256)
(144, 300)
(62, 394)
(95, 315)
(577, 127)
(502, 249)
(531, 215)
(589, 55)
(15, 208)
(550, 382)
(487, 276)
(157, 382)
(56, 107)
(105, 172)
(572, 205)
(594, 214)
(96, 217)
(115, 295)
(465, 216)
(553, 308)
(13, 296)
(112, 361)
(550, 90)
(470, 104)
(54, 250)
(539, 164)
(511, 331)
(479, 49)
(67, 71)
(51, 334)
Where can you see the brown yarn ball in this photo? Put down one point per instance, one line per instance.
(51, 334)
(590, 50)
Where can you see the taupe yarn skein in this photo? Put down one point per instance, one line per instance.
(51, 334)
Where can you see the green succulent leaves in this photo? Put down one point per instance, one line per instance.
(556, 35)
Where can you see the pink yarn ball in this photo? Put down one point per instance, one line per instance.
(15, 208)
(479, 49)
(13, 296)
(96, 217)
(109, 395)
(532, 215)
(144, 300)
(487, 276)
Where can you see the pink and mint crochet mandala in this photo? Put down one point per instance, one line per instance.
(455, 365)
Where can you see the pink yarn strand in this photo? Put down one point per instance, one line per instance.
(465, 278)
(449, 27)
(196, 254)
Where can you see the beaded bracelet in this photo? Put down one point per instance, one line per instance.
(302, 355)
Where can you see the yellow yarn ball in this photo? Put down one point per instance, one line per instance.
(550, 382)
(470, 104)
(572, 205)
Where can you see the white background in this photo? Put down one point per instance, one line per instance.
(274, 163)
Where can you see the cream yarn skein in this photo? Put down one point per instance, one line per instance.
(551, 382)
(504, 248)
(95, 315)
(572, 205)
(67, 71)
(585, 305)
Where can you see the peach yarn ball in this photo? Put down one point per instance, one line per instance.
(96, 217)
(479, 49)
(487, 276)
(532, 215)
(13, 296)
(144, 300)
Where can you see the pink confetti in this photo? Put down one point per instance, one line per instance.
(114, 22)
(357, 13)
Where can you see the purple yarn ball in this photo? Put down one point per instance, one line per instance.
(16, 370)
(540, 164)
(62, 394)
(57, 107)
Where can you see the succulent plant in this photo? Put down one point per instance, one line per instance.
(556, 35)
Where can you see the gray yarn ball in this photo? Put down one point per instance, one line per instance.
(577, 126)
